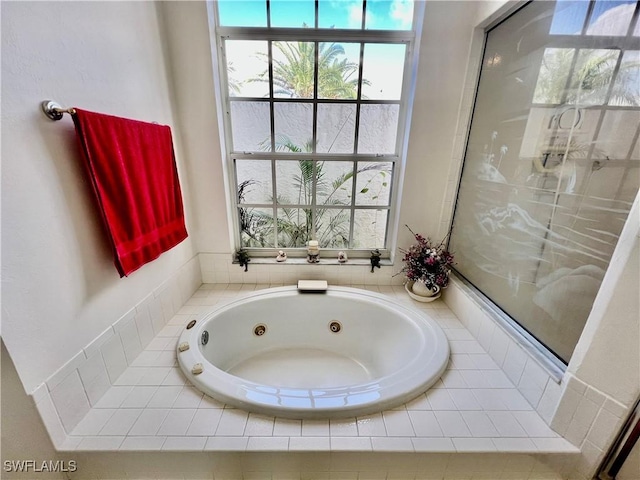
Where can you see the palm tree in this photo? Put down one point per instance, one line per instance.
(254, 224)
(297, 225)
(592, 75)
(293, 76)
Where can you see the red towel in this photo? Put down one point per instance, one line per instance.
(133, 170)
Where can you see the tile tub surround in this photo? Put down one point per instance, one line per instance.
(580, 413)
(474, 407)
(68, 395)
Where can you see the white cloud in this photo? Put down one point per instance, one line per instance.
(402, 10)
(355, 14)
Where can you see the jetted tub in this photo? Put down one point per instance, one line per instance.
(342, 353)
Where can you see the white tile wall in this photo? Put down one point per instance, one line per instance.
(70, 400)
(96, 344)
(144, 325)
(218, 268)
(582, 420)
(549, 401)
(51, 419)
(590, 420)
(519, 368)
(59, 376)
(91, 368)
(115, 359)
(130, 339)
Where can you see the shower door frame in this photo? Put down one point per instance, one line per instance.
(553, 364)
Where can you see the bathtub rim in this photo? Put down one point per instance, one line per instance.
(392, 389)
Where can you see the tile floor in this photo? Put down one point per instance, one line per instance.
(474, 407)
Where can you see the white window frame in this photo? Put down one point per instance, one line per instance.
(410, 38)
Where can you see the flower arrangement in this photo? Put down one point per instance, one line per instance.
(427, 262)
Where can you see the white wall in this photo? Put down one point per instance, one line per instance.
(186, 32)
(440, 85)
(60, 289)
(607, 355)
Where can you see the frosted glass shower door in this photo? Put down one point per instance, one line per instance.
(551, 166)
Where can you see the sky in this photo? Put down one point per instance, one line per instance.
(381, 14)
(606, 18)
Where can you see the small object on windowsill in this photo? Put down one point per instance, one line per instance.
(342, 257)
(313, 252)
(375, 259)
(282, 256)
(242, 257)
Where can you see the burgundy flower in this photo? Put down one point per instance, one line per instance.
(427, 261)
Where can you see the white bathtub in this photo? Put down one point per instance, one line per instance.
(383, 355)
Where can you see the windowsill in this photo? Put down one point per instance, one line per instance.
(322, 262)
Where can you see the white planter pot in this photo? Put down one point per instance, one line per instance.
(419, 288)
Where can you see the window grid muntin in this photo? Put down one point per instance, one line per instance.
(620, 43)
(315, 102)
(603, 106)
(406, 37)
(351, 207)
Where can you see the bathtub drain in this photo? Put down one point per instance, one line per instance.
(335, 326)
(259, 330)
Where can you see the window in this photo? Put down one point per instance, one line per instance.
(315, 97)
(552, 163)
